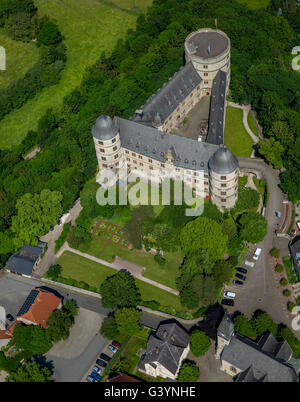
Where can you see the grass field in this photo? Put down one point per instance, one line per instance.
(236, 137)
(82, 269)
(19, 58)
(90, 27)
(165, 274)
(252, 124)
(254, 4)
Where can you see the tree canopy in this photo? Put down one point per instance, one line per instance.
(199, 343)
(253, 227)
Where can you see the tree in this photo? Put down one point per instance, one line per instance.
(253, 227)
(205, 287)
(53, 272)
(189, 372)
(279, 268)
(204, 234)
(199, 343)
(49, 34)
(189, 298)
(30, 372)
(32, 338)
(275, 252)
(71, 308)
(222, 271)
(264, 323)
(272, 150)
(128, 320)
(58, 325)
(109, 328)
(283, 282)
(244, 326)
(286, 293)
(120, 290)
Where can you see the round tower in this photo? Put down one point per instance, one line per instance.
(209, 51)
(223, 171)
(107, 142)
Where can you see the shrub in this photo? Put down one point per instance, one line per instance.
(159, 259)
(153, 304)
(290, 306)
(275, 252)
(279, 268)
(189, 372)
(286, 293)
(199, 343)
(283, 282)
(53, 272)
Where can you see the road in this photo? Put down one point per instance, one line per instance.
(262, 290)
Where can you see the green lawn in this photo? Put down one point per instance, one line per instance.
(82, 269)
(252, 124)
(165, 274)
(254, 4)
(236, 137)
(90, 27)
(19, 58)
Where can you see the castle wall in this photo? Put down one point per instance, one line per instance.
(224, 189)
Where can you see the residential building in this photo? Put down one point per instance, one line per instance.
(166, 349)
(295, 253)
(248, 361)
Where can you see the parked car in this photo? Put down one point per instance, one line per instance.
(256, 254)
(97, 369)
(240, 276)
(10, 317)
(249, 264)
(237, 282)
(228, 302)
(242, 270)
(90, 379)
(101, 363)
(229, 295)
(95, 376)
(105, 357)
(112, 348)
(116, 344)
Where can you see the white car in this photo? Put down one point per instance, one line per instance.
(112, 348)
(256, 254)
(229, 295)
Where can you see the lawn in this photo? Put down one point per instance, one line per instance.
(254, 4)
(289, 269)
(165, 274)
(89, 27)
(19, 58)
(130, 352)
(82, 269)
(252, 124)
(236, 137)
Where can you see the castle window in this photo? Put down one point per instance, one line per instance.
(127, 152)
(223, 177)
(128, 159)
(151, 167)
(205, 175)
(140, 156)
(223, 200)
(113, 140)
(206, 182)
(102, 150)
(150, 160)
(100, 142)
(116, 156)
(105, 165)
(162, 165)
(115, 148)
(205, 66)
(223, 192)
(141, 164)
(223, 185)
(177, 170)
(205, 82)
(103, 158)
(205, 74)
(135, 162)
(133, 154)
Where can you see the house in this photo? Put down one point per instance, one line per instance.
(149, 145)
(295, 253)
(7, 334)
(165, 351)
(38, 306)
(122, 377)
(25, 260)
(248, 361)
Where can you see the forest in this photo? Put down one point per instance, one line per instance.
(117, 84)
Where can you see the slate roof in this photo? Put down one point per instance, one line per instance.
(166, 347)
(295, 252)
(223, 161)
(226, 327)
(150, 142)
(217, 110)
(207, 43)
(104, 128)
(244, 353)
(160, 105)
(23, 261)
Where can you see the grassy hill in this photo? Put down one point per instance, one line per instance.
(19, 58)
(89, 27)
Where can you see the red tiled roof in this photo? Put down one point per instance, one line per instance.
(124, 378)
(40, 310)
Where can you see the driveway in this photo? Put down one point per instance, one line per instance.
(73, 357)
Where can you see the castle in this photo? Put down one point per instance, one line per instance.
(179, 132)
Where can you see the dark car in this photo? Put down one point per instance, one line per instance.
(242, 270)
(240, 276)
(10, 317)
(238, 283)
(101, 363)
(95, 376)
(105, 357)
(90, 379)
(228, 302)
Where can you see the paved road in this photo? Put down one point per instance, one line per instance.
(262, 290)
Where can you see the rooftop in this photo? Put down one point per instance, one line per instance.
(24, 260)
(207, 43)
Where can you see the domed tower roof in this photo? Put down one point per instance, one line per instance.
(223, 161)
(104, 129)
